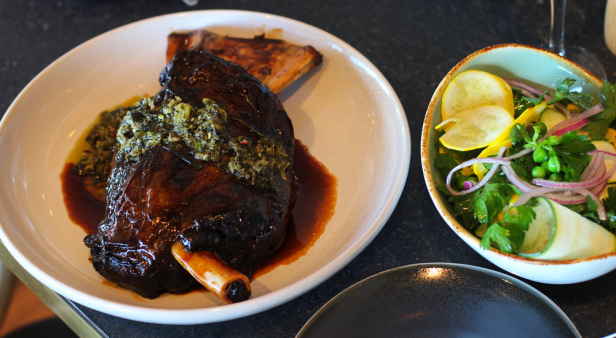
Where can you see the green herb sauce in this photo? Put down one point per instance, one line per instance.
(102, 138)
(176, 125)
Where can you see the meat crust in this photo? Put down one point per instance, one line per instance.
(276, 63)
(162, 199)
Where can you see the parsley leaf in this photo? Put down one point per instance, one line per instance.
(535, 101)
(509, 234)
(519, 104)
(462, 209)
(600, 122)
(445, 163)
(499, 235)
(570, 148)
(522, 215)
(576, 165)
(491, 200)
(562, 93)
(589, 210)
(610, 201)
(573, 144)
(609, 94)
(523, 168)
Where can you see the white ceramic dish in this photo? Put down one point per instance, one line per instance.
(541, 69)
(345, 111)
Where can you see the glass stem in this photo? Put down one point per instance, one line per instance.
(557, 31)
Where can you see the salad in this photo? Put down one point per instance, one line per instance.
(527, 171)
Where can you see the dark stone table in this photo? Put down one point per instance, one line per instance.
(414, 44)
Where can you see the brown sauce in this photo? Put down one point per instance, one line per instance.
(314, 207)
(316, 201)
(83, 209)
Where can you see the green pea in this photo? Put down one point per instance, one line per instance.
(554, 164)
(556, 177)
(540, 155)
(566, 172)
(544, 165)
(542, 128)
(539, 172)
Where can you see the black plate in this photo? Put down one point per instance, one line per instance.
(440, 300)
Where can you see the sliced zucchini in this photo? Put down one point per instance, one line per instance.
(551, 118)
(558, 233)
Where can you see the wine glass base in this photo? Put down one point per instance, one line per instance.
(584, 58)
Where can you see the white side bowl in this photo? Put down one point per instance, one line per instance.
(542, 69)
(345, 111)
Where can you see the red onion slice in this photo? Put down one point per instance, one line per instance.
(524, 87)
(591, 167)
(469, 184)
(596, 178)
(566, 198)
(576, 196)
(599, 189)
(535, 193)
(609, 173)
(600, 207)
(574, 120)
(520, 154)
(515, 180)
(577, 125)
(596, 166)
(597, 151)
(495, 161)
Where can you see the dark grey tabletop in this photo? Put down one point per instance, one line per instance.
(414, 44)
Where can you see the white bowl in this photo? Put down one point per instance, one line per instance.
(345, 111)
(542, 69)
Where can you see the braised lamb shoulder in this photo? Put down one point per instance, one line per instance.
(170, 191)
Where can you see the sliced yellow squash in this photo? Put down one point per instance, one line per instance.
(528, 116)
(474, 88)
(475, 128)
